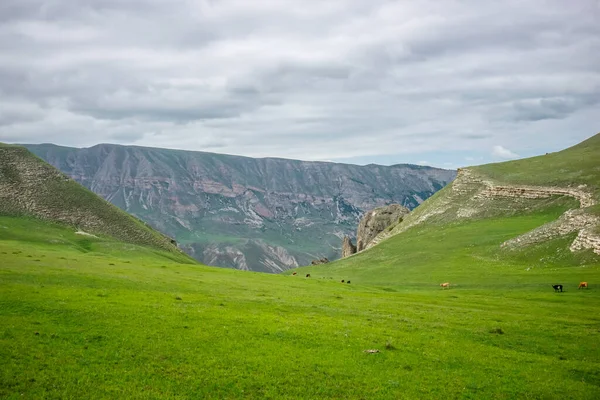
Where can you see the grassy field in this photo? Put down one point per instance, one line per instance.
(84, 317)
(91, 318)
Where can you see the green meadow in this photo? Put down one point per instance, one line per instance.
(93, 318)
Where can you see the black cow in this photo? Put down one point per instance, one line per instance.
(557, 288)
(308, 275)
(348, 282)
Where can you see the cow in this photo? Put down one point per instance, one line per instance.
(445, 285)
(582, 285)
(308, 275)
(294, 273)
(558, 288)
(348, 282)
(342, 281)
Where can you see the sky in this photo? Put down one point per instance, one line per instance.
(445, 83)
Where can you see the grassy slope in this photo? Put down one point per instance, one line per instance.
(85, 318)
(120, 331)
(29, 186)
(579, 164)
(447, 247)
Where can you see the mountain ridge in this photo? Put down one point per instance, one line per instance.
(265, 214)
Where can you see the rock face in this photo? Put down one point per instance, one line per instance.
(376, 221)
(258, 214)
(323, 260)
(348, 248)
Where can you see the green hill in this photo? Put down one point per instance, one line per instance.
(29, 187)
(86, 318)
(578, 165)
(517, 219)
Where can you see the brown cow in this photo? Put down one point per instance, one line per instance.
(294, 273)
(445, 285)
(308, 275)
(582, 285)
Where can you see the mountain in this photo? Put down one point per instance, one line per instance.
(505, 222)
(29, 187)
(264, 214)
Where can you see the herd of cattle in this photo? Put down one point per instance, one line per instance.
(308, 276)
(446, 285)
(559, 288)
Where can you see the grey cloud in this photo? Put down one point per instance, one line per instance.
(338, 79)
(552, 108)
(475, 136)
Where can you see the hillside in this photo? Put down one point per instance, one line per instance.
(29, 187)
(84, 318)
(527, 215)
(254, 214)
(93, 318)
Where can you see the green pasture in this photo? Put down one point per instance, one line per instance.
(92, 318)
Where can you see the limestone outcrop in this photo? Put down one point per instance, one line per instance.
(372, 224)
(376, 221)
(348, 248)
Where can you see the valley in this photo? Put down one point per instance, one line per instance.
(98, 317)
(264, 215)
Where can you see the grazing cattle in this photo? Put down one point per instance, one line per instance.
(582, 285)
(557, 288)
(445, 285)
(348, 282)
(342, 281)
(294, 273)
(308, 275)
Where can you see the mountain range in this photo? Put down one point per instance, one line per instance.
(266, 214)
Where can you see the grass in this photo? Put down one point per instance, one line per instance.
(94, 318)
(31, 187)
(103, 320)
(575, 164)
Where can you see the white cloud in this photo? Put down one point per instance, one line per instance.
(502, 152)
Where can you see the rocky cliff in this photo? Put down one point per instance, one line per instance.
(258, 214)
(372, 224)
(348, 248)
(376, 221)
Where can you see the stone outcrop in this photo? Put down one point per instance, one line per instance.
(320, 261)
(348, 248)
(570, 222)
(376, 221)
(540, 192)
(586, 240)
(371, 225)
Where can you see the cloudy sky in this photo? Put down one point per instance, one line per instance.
(445, 83)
